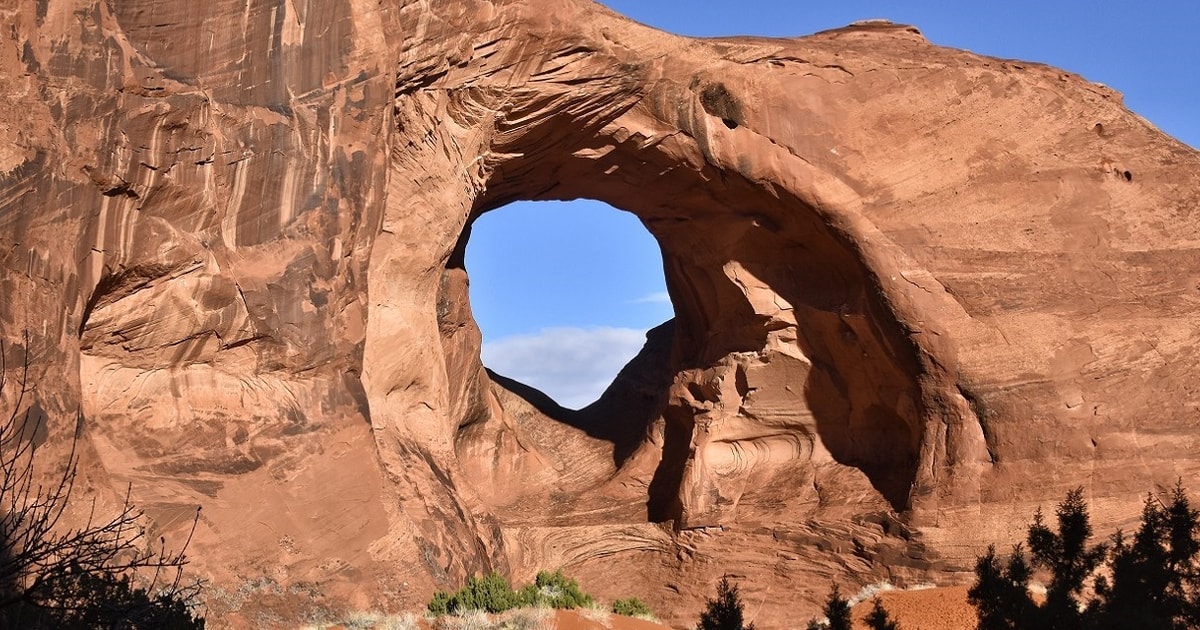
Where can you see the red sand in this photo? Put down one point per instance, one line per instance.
(931, 609)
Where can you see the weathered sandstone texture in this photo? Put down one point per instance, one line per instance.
(919, 292)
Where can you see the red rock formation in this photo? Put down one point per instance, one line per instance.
(918, 292)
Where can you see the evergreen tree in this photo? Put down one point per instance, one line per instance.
(1067, 555)
(1153, 580)
(879, 619)
(724, 612)
(1183, 524)
(837, 613)
(1139, 577)
(1001, 593)
(837, 610)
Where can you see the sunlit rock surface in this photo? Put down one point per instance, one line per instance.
(919, 292)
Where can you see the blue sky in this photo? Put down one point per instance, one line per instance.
(564, 292)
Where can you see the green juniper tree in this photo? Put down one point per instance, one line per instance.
(724, 612)
(837, 613)
(1066, 555)
(879, 619)
(1154, 578)
(1150, 582)
(492, 593)
(1001, 591)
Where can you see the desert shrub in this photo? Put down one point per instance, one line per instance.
(1153, 581)
(632, 607)
(527, 619)
(439, 604)
(597, 614)
(724, 612)
(102, 574)
(493, 593)
(490, 593)
(558, 591)
(465, 620)
(374, 620)
(407, 621)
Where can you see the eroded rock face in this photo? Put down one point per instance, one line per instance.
(919, 292)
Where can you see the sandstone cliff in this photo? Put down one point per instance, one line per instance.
(918, 291)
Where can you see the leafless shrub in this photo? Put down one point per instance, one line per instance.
(102, 573)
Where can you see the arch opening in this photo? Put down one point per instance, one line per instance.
(564, 294)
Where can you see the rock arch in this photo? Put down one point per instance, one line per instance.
(788, 377)
(781, 345)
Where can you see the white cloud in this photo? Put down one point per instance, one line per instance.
(571, 365)
(654, 298)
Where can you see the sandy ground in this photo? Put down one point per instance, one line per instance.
(571, 620)
(928, 609)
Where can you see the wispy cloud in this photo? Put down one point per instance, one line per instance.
(654, 298)
(571, 365)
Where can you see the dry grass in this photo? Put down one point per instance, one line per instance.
(597, 614)
(406, 621)
(372, 621)
(519, 619)
(469, 620)
(527, 619)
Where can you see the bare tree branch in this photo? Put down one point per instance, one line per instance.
(103, 571)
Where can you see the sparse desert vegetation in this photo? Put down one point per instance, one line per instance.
(103, 573)
(525, 608)
(632, 607)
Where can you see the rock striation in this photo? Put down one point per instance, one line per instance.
(919, 292)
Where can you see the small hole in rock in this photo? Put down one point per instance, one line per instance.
(1128, 176)
(732, 124)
